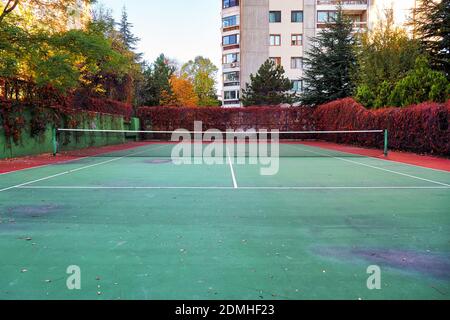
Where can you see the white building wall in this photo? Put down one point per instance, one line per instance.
(255, 28)
(286, 28)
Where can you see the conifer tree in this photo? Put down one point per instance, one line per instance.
(432, 27)
(157, 81)
(129, 39)
(269, 86)
(330, 62)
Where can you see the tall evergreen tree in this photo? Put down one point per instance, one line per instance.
(157, 82)
(432, 27)
(330, 62)
(129, 39)
(269, 86)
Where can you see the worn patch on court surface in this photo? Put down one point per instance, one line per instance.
(32, 211)
(158, 161)
(436, 265)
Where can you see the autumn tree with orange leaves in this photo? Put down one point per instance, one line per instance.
(182, 95)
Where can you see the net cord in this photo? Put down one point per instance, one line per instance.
(235, 132)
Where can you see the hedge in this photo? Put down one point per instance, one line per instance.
(422, 128)
(59, 111)
(100, 106)
(172, 118)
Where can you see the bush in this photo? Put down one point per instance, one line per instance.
(85, 103)
(422, 128)
(365, 95)
(421, 84)
(110, 107)
(260, 117)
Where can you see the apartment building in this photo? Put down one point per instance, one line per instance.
(256, 30)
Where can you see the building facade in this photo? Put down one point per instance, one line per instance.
(256, 30)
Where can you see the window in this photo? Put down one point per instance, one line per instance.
(231, 95)
(296, 40)
(296, 16)
(297, 85)
(230, 21)
(326, 16)
(230, 58)
(230, 3)
(275, 40)
(232, 39)
(231, 77)
(296, 63)
(275, 16)
(277, 60)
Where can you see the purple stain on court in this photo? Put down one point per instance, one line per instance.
(158, 161)
(436, 265)
(33, 211)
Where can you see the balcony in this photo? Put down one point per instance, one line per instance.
(233, 65)
(226, 47)
(230, 28)
(344, 2)
(347, 5)
(358, 27)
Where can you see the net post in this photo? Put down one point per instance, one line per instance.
(54, 142)
(386, 143)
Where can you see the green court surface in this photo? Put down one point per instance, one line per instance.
(141, 227)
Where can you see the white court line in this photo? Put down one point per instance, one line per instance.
(345, 188)
(411, 165)
(74, 170)
(374, 167)
(235, 185)
(69, 161)
(122, 188)
(231, 188)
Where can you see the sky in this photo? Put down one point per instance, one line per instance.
(180, 29)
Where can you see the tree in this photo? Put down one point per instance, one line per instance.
(65, 61)
(182, 93)
(52, 15)
(269, 86)
(202, 73)
(7, 8)
(432, 27)
(129, 39)
(103, 21)
(156, 81)
(330, 63)
(385, 56)
(421, 84)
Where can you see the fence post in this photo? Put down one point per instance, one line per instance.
(386, 143)
(54, 142)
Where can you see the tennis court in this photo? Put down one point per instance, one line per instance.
(141, 227)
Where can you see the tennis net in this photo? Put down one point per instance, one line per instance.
(213, 143)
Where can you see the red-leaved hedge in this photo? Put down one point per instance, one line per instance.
(172, 118)
(422, 128)
(102, 106)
